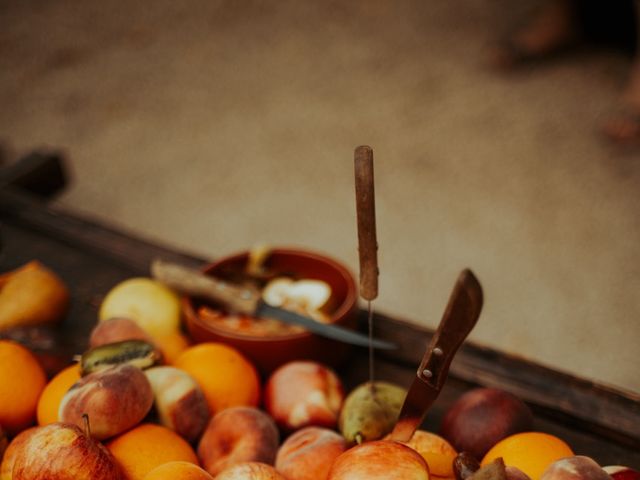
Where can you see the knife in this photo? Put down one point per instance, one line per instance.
(248, 301)
(459, 318)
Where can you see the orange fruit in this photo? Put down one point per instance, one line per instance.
(531, 452)
(172, 345)
(225, 376)
(22, 379)
(147, 446)
(178, 470)
(49, 402)
(437, 452)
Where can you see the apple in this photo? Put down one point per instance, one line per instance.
(303, 393)
(578, 467)
(114, 399)
(63, 451)
(32, 295)
(235, 435)
(9, 457)
(152, 305)
(305, 296)
(483, 416)
(179, 401)
(379, 460)
(309, 453)
(619, 472)
(250, 471)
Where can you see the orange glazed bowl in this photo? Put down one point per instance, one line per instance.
(269, 351)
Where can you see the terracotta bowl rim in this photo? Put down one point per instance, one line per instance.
(347, 305)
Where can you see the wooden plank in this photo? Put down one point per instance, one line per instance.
(588, 405)
(91, 258)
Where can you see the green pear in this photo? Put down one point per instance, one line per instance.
(371, 411)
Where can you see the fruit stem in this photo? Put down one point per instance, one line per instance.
(87, 425)
(359, 438)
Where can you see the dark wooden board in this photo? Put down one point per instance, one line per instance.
(595, 420)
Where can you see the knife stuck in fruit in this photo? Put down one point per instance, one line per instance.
(367, 239)
(459, 318)
(248, 300)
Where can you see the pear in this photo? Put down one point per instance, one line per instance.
(32, 295)
(370, 411)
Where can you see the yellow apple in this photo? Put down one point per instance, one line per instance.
(152, 305)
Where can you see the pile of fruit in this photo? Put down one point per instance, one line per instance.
(144, 403)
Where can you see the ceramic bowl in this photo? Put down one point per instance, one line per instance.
(270, 351)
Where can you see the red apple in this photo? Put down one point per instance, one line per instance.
(304, 393)
(9, 457)
(483, 416)
(309, 453)
(379, 460)
(577, 467)
(235, 435)
(619, 472)
(62, 451)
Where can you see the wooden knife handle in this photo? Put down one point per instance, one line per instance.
(188, 281)
(459, 318)
(366, 214)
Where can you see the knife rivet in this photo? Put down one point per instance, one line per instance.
(437, 351)
(427, 373)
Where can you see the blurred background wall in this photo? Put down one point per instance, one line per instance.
(213, 126)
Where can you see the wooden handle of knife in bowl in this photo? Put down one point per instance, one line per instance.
(188, 281)
(366, 214)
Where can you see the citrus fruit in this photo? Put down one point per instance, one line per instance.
(149, 303)
(147, 446)
(22, 379)
(49, 402)
(225, 376)
(178, 470)
(438, 453)
(531, 452)
(172, 345)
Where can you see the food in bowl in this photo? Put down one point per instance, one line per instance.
(308, 297)
(269, 342)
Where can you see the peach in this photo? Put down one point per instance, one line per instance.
(436, 451)
(114, 400)
(303, 393)
(235, 435)
(250, 471)
(308, 453)
(63, 451)
(179, 402)
(577, 467)
(379, 460)
(117, 329)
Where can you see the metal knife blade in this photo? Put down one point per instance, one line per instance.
(325, 329)
(460, 316)
(248, 301)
